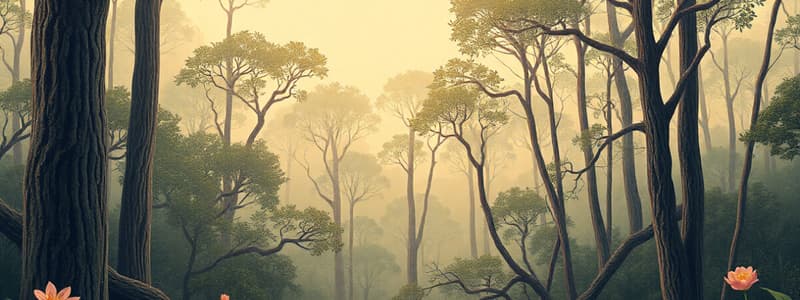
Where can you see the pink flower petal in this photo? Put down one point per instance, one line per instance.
(39, 295)
(64, 293)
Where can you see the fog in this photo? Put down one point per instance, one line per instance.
(369, 46)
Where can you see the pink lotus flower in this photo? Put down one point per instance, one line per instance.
(224, 297)
(742, 278)
(50, 293)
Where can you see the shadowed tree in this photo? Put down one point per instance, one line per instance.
(333, 118)
(137, 194)
(65, 221)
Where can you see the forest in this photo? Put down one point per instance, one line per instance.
(403, 150)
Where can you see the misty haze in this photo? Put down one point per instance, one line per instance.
(403, 150)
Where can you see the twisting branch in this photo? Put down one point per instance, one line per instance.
(606, 141)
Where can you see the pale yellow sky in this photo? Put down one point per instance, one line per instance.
(366, 41)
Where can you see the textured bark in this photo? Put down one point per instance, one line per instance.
(120, 287)
(137, 191)
(610, 161)
(632, 198)
(600, 236)
(691, 165)
(672, 261)
(748, 159)
(65, 221)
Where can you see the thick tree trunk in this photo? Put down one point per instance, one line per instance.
(672, 261)
(748, 159)
(65, 221)
(137, 192)
(600, 236)
(473, 243)
(632, 197)
(693, 193)
(411, 245)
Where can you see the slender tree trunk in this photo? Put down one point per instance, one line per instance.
(485, 229)
(411, 245)
(187, 276)
(741, 206)
(351, 233)
(16, 122)
(766, 151)
(632, 198)
(65, 219)
(338, 258)
(230, 84)
(593, 197)
(689, 155)
(726, 79)
(111, 43)
(704, 112)
(610, 161)
(137, 190)
(473, 243)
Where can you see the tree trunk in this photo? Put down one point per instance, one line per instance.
(672, 261)
(16, 122)
(726, 79)
(338, 258)
(593, 197)
(65, 221)
(689, 155)
(351, 233)
(610, 161)
(111, 42)
(704, 112)
(748, 158)
(473, 243)
(137, 191)
(411, 245)
(632, 198)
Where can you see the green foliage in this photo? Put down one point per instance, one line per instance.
(485, 271)
(17, 98)
(589, 138)
(778, 125)
(409, 292)
(255, 61)
(517, 211)
(118, 107)
(460, 71)
(777, 295)
(314, 223)
(395, 151)
(483, 26)
(789, 36)
(249, 278)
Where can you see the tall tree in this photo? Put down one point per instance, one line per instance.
(361, 181)
(333, 118)
(754, 123)
(137, 193)
(633, 200)
(460, 164)
(403, 97)
(65, 222)
(691, 165)
(265, 74)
